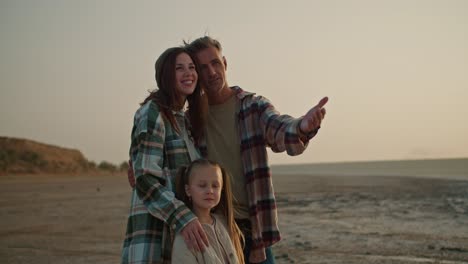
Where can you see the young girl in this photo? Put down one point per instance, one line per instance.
(205, 188)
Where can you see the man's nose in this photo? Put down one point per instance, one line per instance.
(211, 70)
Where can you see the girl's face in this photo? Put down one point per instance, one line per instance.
(186, 75)
(205, 184)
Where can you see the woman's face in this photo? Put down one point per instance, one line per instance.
(205, 185)
(186, 75)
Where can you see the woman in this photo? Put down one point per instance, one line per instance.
(161, 143)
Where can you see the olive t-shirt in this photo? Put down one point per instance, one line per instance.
(223, 144)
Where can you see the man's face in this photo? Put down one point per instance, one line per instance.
(212, 70)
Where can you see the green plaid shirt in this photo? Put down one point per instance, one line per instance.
(260, 126)
(156, 152)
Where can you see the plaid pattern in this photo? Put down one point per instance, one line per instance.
(156, 151)
(261, 125)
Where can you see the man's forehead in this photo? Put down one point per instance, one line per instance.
(208, 54)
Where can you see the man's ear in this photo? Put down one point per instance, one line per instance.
(225, 63)
(187, 190)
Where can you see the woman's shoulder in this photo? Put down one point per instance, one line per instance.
(149, 108)
(148, 116)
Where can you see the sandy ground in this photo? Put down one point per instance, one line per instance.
(372, 220)
(71, 219)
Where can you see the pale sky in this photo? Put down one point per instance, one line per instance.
(73, 72)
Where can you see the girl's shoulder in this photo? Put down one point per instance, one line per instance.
(181, 254)
(220, 219)
(179, 242)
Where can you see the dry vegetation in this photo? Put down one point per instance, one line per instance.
(22, 156)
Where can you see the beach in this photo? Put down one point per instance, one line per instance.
(335, 219)
(323, 219)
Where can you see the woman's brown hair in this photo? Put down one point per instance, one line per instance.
(168, 99)
(224, 207)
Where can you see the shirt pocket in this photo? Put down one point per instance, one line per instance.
(176, 155)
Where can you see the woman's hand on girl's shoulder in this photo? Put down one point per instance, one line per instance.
(194, 236)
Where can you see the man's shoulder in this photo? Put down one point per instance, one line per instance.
(241, 93)
(250, 99)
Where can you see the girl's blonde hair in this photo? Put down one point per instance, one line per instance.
(224, 207)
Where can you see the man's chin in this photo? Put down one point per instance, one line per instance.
(213, 88)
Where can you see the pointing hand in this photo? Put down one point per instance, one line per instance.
(312, 120)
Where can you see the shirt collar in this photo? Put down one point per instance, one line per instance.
(241, 93)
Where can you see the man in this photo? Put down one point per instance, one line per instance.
(240, 126)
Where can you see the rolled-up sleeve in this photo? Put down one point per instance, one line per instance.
(281, 131)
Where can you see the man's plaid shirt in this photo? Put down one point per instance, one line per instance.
(260, 126)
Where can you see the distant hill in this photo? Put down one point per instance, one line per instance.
(23, 156)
